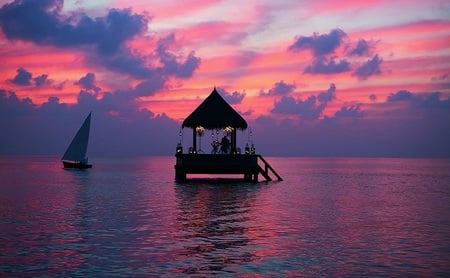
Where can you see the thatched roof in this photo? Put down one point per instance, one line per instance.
(214, 112)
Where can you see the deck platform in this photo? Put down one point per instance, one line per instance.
(245, 164)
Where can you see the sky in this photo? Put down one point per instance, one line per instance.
(312, 78)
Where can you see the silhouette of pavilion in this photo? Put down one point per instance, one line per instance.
(214, 113)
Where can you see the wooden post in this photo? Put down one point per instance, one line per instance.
(233, 141)
(194, 140)
(255, 177)
(180, 175)
(180, 172)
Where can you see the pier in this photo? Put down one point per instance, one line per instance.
(250, 166)
(225, 158)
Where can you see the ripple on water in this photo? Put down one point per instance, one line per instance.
(329, 217)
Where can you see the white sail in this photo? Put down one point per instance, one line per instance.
(78, 147)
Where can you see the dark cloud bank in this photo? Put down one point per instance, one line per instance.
(119, 128)
(405, 124)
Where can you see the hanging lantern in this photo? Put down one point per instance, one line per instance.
(179, 148)
(229, 130)
(200, 130)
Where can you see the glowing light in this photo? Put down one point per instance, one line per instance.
(228, 130)
(200, 130)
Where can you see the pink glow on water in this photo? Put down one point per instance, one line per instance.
(333, 216)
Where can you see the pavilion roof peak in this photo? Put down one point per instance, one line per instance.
(214, 112)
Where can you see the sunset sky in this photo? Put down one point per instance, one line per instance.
(312, 78)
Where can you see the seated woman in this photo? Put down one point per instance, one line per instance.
(225, 145)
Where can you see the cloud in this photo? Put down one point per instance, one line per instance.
(359, 137)
(323, 65)
(60, 86)
(42, 80)
(370, 68)
(22, 78)
(247, 112)
(319, 44)
(309, 109)
(441, 77)
(119, 126)
(11, 105)
(150, 86)
(400, 96)
(189, 66)
(53, 107)
(373, 97)
(118, 103)
(232, 98)
(25, 78)
(362, 48)
(353, 111)
(329, 95)
(433, 101)
(43, 23)
(444, 81)
(170, 61)
(279, 89)
(417, 128)
(118, 27)
(102, 39)
(124, 61)
(325, 47)
(88, 82)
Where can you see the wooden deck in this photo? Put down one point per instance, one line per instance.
(245, 164)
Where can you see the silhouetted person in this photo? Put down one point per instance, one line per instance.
(225, 145)
(252, 149)
(215, 144)
(247, 149)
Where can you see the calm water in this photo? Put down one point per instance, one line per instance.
(330, 217)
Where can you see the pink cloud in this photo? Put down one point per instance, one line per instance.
(166, 9)
(333, 7)
(426, 28)
(219, 34)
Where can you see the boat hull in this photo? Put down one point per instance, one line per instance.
(76, 165)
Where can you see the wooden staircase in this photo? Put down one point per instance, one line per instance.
(265, 171)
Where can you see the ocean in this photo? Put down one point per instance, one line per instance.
(129, 217)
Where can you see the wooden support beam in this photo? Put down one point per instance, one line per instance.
(244, 164)
(194, 140)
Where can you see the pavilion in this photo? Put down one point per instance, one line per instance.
(215, 114)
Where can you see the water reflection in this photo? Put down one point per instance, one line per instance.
(329, 217)
(214, 225)
(38, 213)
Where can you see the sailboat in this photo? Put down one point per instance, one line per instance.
(75, 155)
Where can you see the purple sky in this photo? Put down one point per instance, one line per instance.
(308, 81)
